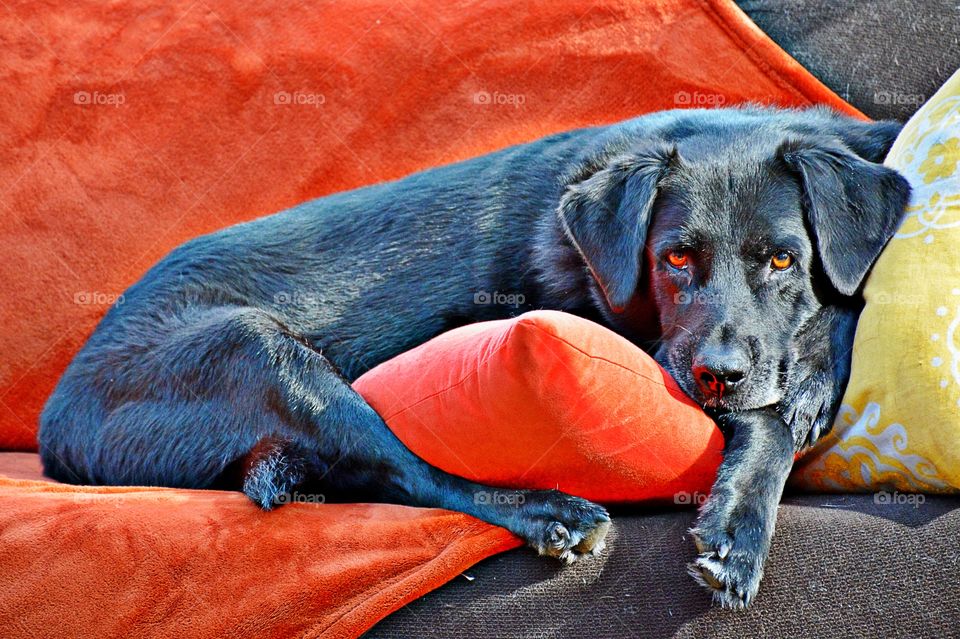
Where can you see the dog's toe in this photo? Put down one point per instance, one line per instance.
(567, 527)
(730, 571)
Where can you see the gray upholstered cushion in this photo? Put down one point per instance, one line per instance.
(840, 566)
(883, 57)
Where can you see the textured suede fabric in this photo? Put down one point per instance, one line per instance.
(157, 562)
(840, 566)
(885, 58)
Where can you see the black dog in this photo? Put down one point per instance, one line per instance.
(729, 243)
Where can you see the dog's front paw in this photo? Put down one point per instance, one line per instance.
(564, 526)
(729, 566)
(809, 408)
(733, 545)
(816, 383)
(736, 524)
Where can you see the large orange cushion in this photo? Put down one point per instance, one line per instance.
(548, 400)
(94, 193)
(130, 127)
(165, 563)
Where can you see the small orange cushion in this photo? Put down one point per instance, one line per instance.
(548, 400)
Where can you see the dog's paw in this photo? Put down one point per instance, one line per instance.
(564, 526)
(733, 539)
(273, 468)
(809, 407)
(729, 567)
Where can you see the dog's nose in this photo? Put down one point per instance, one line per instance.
(720, 370)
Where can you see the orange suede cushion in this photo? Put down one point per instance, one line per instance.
(129, 127)
(161, 563)
(547, 400)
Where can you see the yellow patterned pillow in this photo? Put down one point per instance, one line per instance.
(899, 426)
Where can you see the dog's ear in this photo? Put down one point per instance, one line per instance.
(606, 216)
(853, 206)
(870, 140)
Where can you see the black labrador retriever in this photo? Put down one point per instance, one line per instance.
(729, 243)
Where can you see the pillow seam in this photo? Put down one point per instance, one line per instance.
(674, 392)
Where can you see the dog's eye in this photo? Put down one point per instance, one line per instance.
(677, 259)
(781, 261)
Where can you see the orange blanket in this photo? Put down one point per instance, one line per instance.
(157, 562)
(129, 127)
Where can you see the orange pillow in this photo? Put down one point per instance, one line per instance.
(548, 400)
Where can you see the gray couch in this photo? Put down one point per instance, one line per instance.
(840, 566)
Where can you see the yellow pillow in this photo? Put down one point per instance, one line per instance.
(899, 426)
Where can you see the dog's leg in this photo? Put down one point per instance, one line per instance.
(736, 523)
(819, 376)
(223, 388)
(361, 459)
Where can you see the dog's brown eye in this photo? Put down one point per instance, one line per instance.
(677, 259)
(781, 261)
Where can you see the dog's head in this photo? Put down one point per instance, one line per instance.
(738, 229)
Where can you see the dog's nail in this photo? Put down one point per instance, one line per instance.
(701, 547)
(598, 548)
(724, 550)
(559, 534)
(710, 579)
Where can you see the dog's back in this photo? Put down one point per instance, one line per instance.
(361, 275)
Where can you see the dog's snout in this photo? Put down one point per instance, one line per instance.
(721, 369)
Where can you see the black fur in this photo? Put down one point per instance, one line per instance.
(229, 362)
